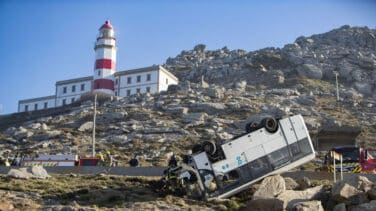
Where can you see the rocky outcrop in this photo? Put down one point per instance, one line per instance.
(270, 187)
(348, 51)
(37, 172)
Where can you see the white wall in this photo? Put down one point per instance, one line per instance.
(123, 84)
(165, 80)
(31, 104)
(60, 95)
(133, 90)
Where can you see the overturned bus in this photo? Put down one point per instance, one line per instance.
(268, 147)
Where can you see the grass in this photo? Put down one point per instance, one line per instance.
(105, 192)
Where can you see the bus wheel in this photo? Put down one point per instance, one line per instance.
(209, 147)
(270, 124)
(251, 126)
(196, 148)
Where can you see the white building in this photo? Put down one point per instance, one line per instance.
(105, 79)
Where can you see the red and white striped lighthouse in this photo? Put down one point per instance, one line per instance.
(105, 55)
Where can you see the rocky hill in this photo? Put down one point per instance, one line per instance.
(236, 84)
(349, 51)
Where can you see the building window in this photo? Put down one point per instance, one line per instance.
(36, 106)
(138, 90)
(148, 89)
(45, 105)
(138, 79)
(64, 102)
(82, 87)
(129, 80)
(148, 77)
(64, 89)
(99, 73)
(72, 100)
(73, 88)
(26, 107)
(128, 92)
(115, 93)
(116, 81)
(166, 80)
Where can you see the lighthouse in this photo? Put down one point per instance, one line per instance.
(105, 60)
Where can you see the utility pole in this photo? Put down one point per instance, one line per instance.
(336, 73)
(94, 117)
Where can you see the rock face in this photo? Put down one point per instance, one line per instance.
(308, 206)
(350, 51)
(270, 187)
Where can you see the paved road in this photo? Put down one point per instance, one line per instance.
(158, 171)
(127, 171)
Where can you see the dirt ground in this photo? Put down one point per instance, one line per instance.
(99, 192)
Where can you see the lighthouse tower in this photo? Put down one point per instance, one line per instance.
(105, 60)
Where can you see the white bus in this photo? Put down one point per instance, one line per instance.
(269, 147)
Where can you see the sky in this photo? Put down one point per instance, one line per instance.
(44, 41)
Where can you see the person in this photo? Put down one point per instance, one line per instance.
(108, 158)
(133, 162)
(101, 158)
(173, 161)
(14, 160)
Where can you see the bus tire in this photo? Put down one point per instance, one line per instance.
(270, 124)
(209, 147)
(251, 126)
(196, 148)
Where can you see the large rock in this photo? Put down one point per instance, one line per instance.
(309, 71)
(20, 173)
(372, 193)
(38, 172)
(344, 193)
(371, 206)
(304, 183)
(270, 187)
(291, 197)
(340, 207)
(360, 182)
(308, 206)
(264, 204)
(87, 126)
(291, 184)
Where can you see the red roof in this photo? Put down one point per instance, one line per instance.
(107, 25)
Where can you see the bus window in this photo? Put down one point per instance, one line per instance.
(300, 148)
(260, 167)
(279, 157)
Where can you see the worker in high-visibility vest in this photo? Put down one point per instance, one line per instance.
(101, 159)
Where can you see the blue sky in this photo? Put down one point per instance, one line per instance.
(42, 42)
